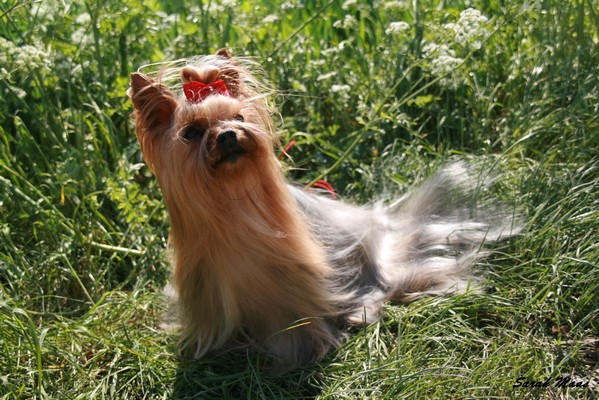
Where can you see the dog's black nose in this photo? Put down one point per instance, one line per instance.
(226, 139)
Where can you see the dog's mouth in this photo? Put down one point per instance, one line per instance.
(231, 155)
(230, 146)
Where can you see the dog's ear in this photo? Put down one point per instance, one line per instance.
(230, 72)
(152, 101)
(154, 108)
(224, 52)
(207, 74)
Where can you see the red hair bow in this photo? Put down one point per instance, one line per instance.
(196, 92)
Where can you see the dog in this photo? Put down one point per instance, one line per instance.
(262, 264)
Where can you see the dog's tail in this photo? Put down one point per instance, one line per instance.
(423, 244)
(435, 234)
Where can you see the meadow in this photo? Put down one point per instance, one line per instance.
(376, 95)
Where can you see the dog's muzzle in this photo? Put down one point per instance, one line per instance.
(228, 146)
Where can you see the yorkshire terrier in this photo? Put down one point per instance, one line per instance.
(260, 263)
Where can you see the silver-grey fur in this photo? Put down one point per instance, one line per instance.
(423, 244)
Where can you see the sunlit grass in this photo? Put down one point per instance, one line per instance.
(515, 88)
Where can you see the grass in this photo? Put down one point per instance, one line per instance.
(373, 111)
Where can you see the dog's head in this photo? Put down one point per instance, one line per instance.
(203, 126)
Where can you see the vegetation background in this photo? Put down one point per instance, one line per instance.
(377, 94)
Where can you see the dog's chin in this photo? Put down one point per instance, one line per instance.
(231, 157)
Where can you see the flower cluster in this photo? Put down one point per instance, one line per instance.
(82, 35)
(349, 3)
(470, 28)
(443, 63)
(395, 5)
(445, 55)
(23, 58)
(348, 22)
(397, 28)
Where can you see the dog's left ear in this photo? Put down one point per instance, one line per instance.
(224, 52)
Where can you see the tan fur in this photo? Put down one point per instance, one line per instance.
(246, 267)
(262, 264)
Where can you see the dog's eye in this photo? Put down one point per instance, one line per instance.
(238, 117)
(192, 133)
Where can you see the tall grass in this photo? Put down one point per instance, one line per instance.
(373, 108)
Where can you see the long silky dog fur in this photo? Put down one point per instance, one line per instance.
(260, 263)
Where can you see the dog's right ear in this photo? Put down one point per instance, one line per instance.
(153, 102)
(154, 108)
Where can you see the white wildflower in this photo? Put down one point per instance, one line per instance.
(348, 22)
(31, 57)
(349, 3)
(4, 75)
(432, 49)
(290, 5)
(450, 26)
(19, 92)
(5, 53)
(395, 5)
(443, 63)
(470, 29)
(26, 57)
(397, 28)
(215, 8)
(445, 66)
(269, 19)
(340, 88)
(473, 17)
(82, 37)
(229, 3)
(168, 19)
(83, 19)
(326, 76)
(44, 9)
(443, 58)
